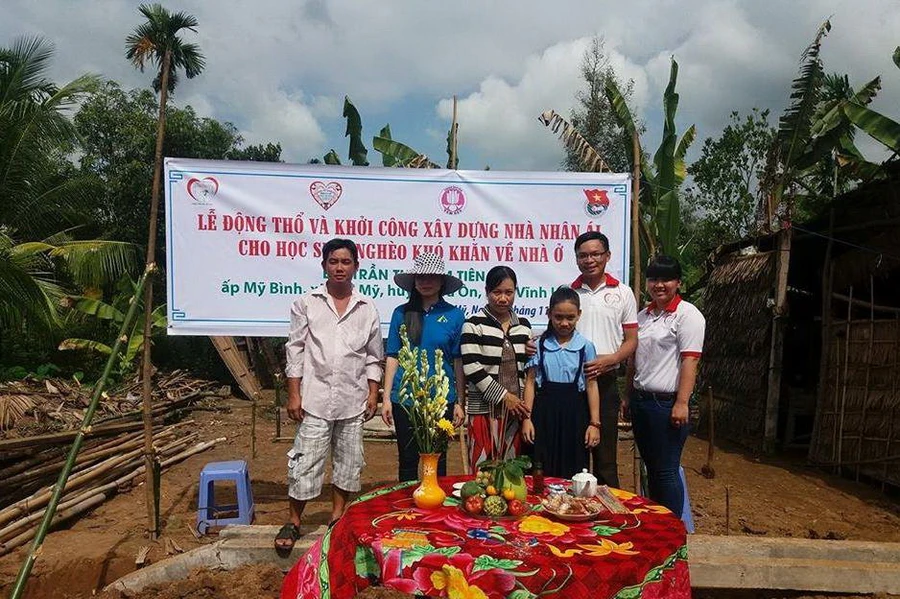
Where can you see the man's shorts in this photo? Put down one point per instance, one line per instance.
(306, 460)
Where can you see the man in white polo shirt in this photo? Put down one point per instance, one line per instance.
(609, 320)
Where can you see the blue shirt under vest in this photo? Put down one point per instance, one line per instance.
(441, 329)
(561, 362)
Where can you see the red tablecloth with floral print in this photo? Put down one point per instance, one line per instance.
(383, 539)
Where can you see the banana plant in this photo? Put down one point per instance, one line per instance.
(660, 224)
(661, 179)
(114, 313)
(393, 153)
(790, 154)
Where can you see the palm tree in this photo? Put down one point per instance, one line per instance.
(156, 41)
(38, 194)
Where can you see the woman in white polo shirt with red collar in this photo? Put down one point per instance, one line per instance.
(661, 379)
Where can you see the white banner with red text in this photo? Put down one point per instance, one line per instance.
(243, 239)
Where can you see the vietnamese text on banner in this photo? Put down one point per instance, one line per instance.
(244, 239)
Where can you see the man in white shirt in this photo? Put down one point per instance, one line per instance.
(334, 354)
(609, 320)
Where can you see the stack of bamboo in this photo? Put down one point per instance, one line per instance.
(101, 471)
(58, 404)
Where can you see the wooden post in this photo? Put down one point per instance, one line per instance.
(150, 462)
(776, 351)
(707, 470)
(636, 216)
(839, 416)
(827, 281)
(636, 257)
(453, 136)
(253, 404)
(862, 422)
(279, 382)
(890, 435)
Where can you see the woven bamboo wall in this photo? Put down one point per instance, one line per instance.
(859, 422)
(736, 349)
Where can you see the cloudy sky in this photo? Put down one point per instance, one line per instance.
(279, 69)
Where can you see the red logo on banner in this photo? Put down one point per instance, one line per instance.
(453, 200)
(597, 201)
(202, 190)
(326, 195)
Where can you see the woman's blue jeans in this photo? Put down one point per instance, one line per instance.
(660, 444)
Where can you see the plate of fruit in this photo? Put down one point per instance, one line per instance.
(568, 507)
(498, 490)
(478, 504)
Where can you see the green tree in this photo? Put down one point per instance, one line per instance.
(594, 117)
(39, 194)
(725, 180)
(117, 131)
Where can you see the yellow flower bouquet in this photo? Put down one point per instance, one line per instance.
(424, 396)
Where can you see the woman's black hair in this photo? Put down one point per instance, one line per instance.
(414, 313)
(497, 275)
(340, 244)
(563, 293)
(665, 268)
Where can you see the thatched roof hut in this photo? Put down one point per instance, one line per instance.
(736, 350)
(839, 390)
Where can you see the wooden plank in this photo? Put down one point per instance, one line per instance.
(237, 365)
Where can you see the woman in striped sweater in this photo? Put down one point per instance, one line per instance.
(493, 355)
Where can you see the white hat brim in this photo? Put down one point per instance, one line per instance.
(407, 282)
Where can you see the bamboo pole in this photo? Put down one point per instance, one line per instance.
(94, 497)
(862, 423)
(6, 532)
(864, 304)
(824, 353)
(279, 382)
(839, 441)
(152, 491)
(636, 257)
(253, 426)
(28, 564)
(55, 439)
(453, 126)
(890, 435)
(636, 216)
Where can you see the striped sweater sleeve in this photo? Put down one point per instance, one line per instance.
(475, 371)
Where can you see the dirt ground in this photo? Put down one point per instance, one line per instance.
(780, 497)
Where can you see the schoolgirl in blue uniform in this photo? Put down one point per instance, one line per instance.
(565, 410)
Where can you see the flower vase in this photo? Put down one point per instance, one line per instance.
(429, 495)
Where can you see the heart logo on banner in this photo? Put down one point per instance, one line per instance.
(202, 190)
(326, 195)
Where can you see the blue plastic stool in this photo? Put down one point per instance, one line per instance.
(207, 509)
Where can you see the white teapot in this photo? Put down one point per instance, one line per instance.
(584, 484)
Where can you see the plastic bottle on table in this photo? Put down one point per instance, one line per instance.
(537, 479)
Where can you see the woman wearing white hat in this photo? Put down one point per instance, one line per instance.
(431, 323)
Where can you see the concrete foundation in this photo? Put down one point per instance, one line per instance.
(733, 562)
(740, 562)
